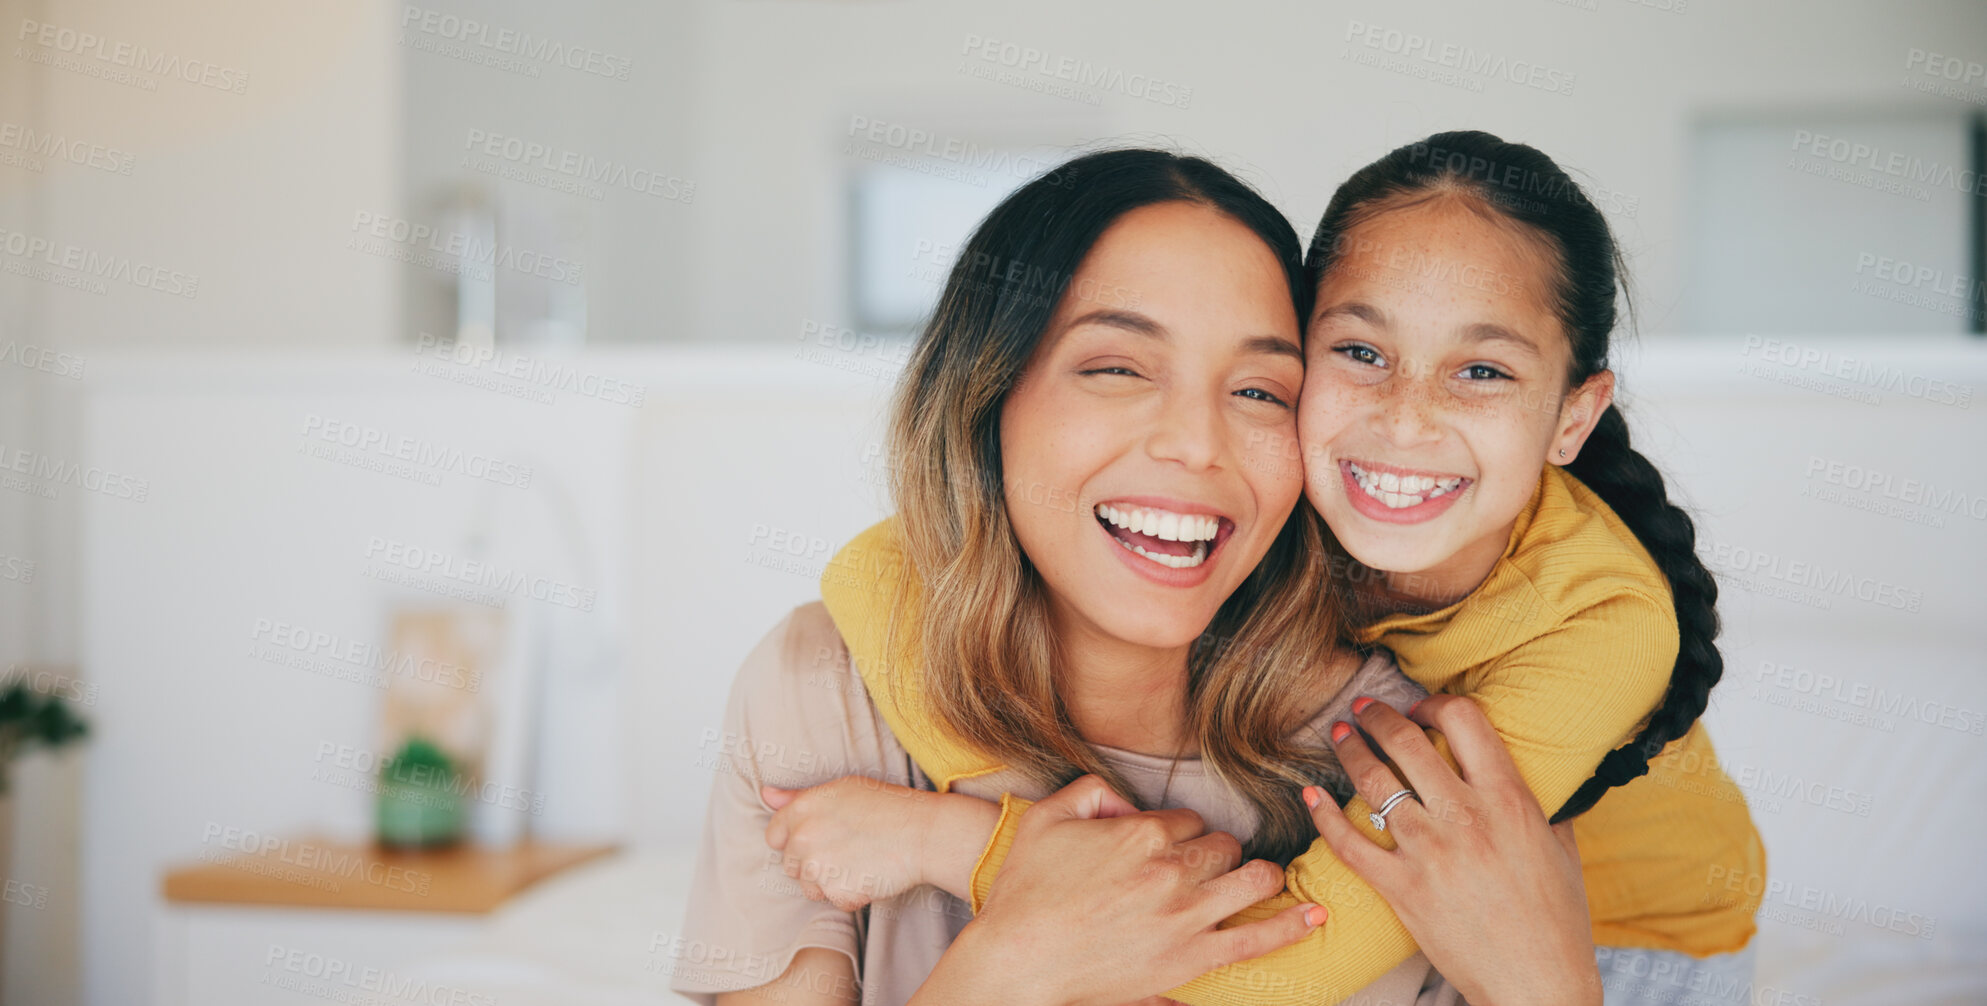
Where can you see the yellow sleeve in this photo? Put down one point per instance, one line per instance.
(1361, 941)
(1560, 702)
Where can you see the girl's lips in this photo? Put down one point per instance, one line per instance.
(1376, 510)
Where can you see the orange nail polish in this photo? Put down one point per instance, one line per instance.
(1315, 915)
(1359, 704)
(1417, 705)
(1310, 796)
(1340, 731)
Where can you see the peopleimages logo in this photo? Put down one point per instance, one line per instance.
(1025, 59)
(509, 42)
(1752, 569)
(37, 145)
(71, 42)
(1418, 48)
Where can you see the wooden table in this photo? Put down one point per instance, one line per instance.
(324, 873)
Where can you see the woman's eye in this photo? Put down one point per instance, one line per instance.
(1123, 371)
(1361, 354)
(1260, 395)
(1484, 372)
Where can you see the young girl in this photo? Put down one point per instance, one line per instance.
(1504, 540)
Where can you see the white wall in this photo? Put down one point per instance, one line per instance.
(1272, 95)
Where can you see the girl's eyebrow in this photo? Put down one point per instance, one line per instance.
(1484, 331)
(1359, 309)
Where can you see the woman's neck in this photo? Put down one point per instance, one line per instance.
(1124, 695)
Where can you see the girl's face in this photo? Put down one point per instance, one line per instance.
(1437, 391)
(1139, 446)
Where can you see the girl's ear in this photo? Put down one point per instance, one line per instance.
(1578, 415)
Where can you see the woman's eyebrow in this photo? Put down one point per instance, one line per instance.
(1130, 321)
(1274, 344)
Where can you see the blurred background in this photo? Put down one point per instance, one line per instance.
(411, 414)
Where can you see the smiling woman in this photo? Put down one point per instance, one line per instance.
(1173, 396)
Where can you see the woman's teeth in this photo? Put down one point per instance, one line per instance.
(1165, 526)
(1398, 492)
(1161, 523)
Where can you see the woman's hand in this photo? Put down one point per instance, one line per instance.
(1490, 891)
(1099, 902)
(856, 840)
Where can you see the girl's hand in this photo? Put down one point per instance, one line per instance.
(856, 840)
(1490, 891)
(1099, 902)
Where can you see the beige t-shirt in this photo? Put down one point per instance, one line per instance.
(799, 716)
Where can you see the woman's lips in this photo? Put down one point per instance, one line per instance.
(1173, 545)
(1397, 495)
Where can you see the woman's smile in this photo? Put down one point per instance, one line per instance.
(1171, 542)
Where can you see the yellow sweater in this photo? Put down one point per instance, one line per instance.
(1567, 646)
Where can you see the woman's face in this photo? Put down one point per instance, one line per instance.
(1436, 389)
(1140, 446)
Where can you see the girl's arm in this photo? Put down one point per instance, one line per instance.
(1559, 703)
(856, 840)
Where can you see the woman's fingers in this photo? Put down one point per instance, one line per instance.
(1374, 780)
(1352, 847)
(1211, 855)
(1085, 797)
(776, 797)
(1410, 750)
(1222, 947)
(1230, 892)
(1480, 754)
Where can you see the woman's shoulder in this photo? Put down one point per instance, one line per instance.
(797, 703)
(802, 643)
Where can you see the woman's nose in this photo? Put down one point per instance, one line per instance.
(1189, 432)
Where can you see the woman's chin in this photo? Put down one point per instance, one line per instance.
(1158, 628)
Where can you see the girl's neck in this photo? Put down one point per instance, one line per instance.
(1123, 695)
(1384, 593)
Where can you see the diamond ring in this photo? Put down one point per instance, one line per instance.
(1379, 817)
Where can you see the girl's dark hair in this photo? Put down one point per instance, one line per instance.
(976, 610)
(1527, 187)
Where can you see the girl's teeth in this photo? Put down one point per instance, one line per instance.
(1402, 491)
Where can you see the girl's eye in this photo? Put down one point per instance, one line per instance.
(1484, 372)
(1361, 354)
(1260, 395)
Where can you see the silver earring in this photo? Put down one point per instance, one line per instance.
(1562, 452)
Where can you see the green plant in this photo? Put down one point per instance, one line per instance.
(418, 801)
(30, 719)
